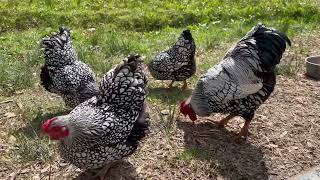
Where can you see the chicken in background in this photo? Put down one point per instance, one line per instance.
(242, 81)
(177, 63)
(107, 127)
(63, 73)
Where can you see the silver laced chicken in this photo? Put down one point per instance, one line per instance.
(107, 127)
(177, 63)
(63, 73)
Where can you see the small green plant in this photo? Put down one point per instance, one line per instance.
(189, 154)
(167, 119)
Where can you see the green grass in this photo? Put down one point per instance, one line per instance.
(32, 107)
(123, 27)
(149, 15)
(33, 149)
(192, 153)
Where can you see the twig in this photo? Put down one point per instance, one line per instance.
(49, 171)
(6, 101)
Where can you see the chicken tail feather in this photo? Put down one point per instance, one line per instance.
(270, 43)
(58, 49)
(125, 85)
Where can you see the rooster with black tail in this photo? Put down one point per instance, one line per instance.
(177, 63)
(242, 81)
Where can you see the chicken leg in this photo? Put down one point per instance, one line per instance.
(185, 85)
(224, 121)
(103, 173)
(244, 131)
(170, 85)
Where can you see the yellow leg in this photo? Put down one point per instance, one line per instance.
(185, 85)
(170, 85)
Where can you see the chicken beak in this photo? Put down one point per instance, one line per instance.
(183, 114)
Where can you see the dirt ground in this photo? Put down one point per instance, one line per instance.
(283, 141)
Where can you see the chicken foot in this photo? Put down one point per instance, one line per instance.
(170, 85)
(185, 85)
(244, 131)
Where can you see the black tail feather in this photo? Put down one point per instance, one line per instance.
(261, 29)
(57, 39)
(45, 78)
(284, 36)
(138, 132)
(187, 35)
(270, 43)
(58, 49)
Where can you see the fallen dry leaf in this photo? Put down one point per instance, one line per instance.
(12, 139)
(283, 134)
(10, 115)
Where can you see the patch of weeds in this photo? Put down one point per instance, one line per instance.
(291, 67)
(167, 119)
(104, 47)
(28, 149)
(166, 96)
(37, 117)
(114, 44)
(15, 75)
(19, 61)
(189, 154)
(293, 64)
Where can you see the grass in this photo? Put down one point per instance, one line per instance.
(33, 149)
(167, 119)
(104, 32)
(32, 108)
(292, 65)
(192, 153)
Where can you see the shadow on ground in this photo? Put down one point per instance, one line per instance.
(120, 170)
(311, 78)
(231, 160)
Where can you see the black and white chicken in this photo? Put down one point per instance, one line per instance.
(242, 81)
(106, 127)
(63, 73)
(177, 63)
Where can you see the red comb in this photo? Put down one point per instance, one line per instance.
(45, 126)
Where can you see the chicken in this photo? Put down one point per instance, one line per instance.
(63, 73)
(106, 127)
(242, 81)
(177, 63)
